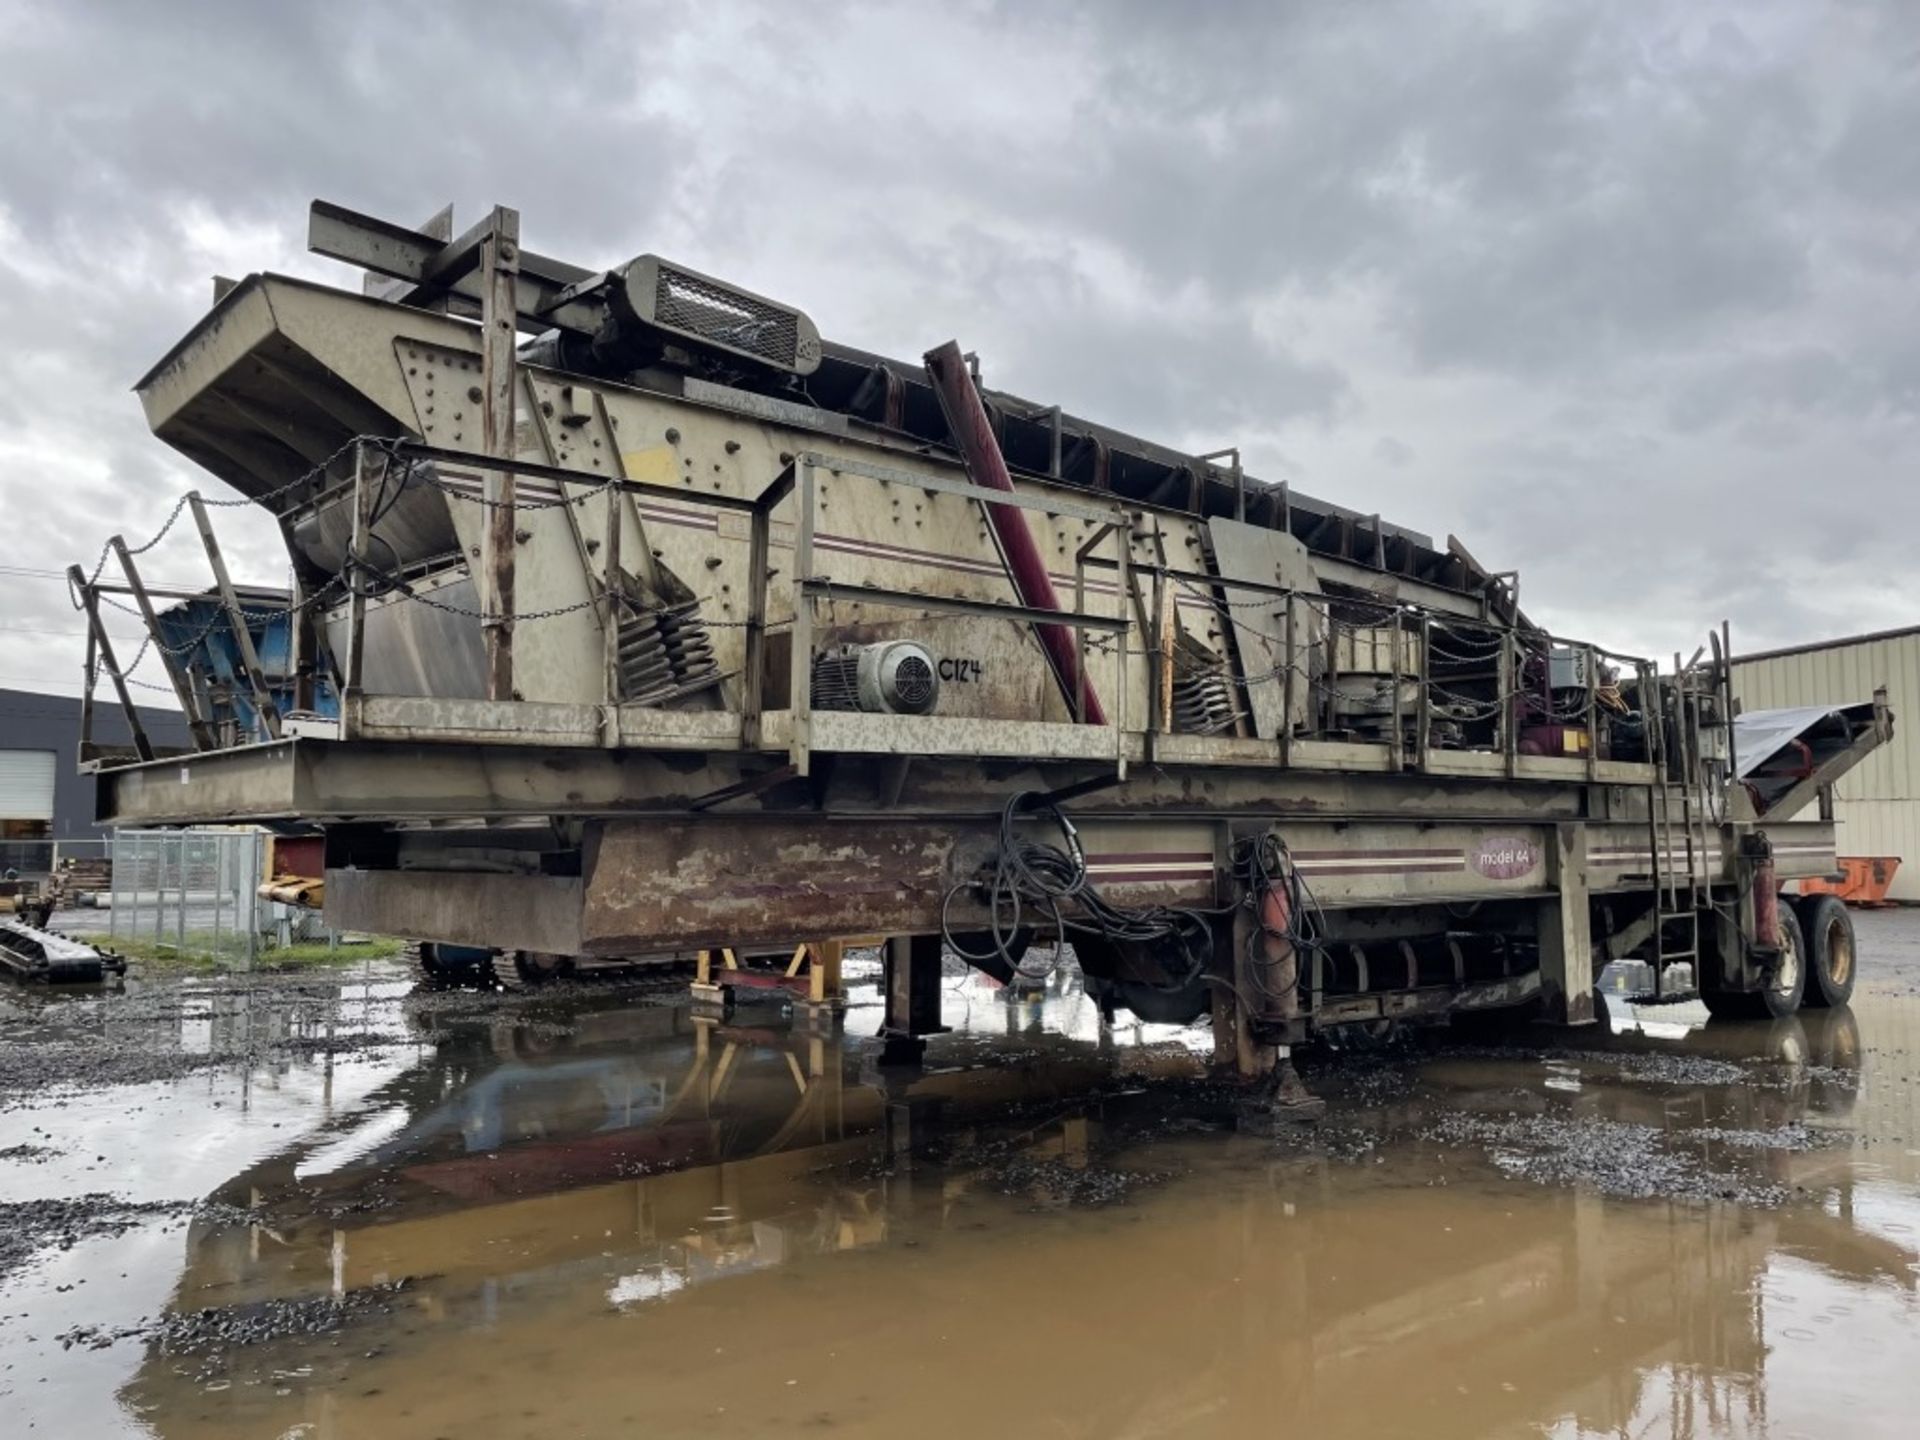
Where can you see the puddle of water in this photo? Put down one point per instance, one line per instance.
(587, 1217)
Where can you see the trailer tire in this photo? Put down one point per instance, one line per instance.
(1828, 928)
(1782, 995)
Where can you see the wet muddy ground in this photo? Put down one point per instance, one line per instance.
(342, 1204)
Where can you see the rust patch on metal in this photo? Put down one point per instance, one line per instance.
(675, 885)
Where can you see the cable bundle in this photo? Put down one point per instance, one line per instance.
(1029, 876)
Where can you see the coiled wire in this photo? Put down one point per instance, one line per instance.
(1032, 883)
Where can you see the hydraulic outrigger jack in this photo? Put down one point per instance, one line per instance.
(1257, 1015)
(1280, 1100)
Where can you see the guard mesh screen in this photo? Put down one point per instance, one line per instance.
(721, 316)
(913, 683)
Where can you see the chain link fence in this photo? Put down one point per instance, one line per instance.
(38, 859)
(194, 894)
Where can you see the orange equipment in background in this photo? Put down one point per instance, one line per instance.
(1863, 880)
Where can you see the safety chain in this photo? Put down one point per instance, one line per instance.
(1222, 610)
(1272, 604)
(125, 672)
(390, 447)
(395, 585)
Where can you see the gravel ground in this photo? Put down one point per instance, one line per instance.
(1635, 1162)
(212, 1331)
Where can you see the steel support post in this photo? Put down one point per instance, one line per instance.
(1287, 660)
(499, 272)
(753, 684)
(1566, 932)
(1166, 629)
(1236, 475)
(1123, 642)
(1729, 707)
(1423, 725)
(236, 617)
(89, 676)
(1321, 706)
(176, 672)
(302, 652)
(611, 589)
(1593, 714)
(1509, 685)
(913, 996)
(1237, 1055)
(800, 649)
(365, 478)
(1398, 748)
(1079, 605)
(142, 746)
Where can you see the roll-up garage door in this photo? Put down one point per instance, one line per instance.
(26, 784)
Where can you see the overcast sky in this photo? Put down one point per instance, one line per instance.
(1621, 294)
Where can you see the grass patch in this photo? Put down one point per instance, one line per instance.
(200, 957)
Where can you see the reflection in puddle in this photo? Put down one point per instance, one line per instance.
(584, 1215)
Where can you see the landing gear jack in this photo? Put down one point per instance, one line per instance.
(1257, 967)
(1280, 1101)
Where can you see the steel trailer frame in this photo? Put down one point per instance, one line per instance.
(613, 827)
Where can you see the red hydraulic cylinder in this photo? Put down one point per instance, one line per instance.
(1766, 908)
(973, 432)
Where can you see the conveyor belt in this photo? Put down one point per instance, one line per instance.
(1784, 756)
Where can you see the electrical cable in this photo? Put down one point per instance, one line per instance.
(1265, 865)
(1026, 876)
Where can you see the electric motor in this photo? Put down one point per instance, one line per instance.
(898, 677)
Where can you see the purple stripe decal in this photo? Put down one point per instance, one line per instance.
(467, 484)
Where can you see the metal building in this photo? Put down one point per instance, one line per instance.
(1878, 804)
(43, 798)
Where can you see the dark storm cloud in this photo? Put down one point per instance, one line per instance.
(1671, 242)
(1619, 293)
(1528, 191)
(134, 124)
(253, 109)
(1768, 384)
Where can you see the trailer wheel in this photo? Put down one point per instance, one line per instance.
(1782, 994)
(1830, 950)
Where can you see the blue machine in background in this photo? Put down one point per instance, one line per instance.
(200, 637)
